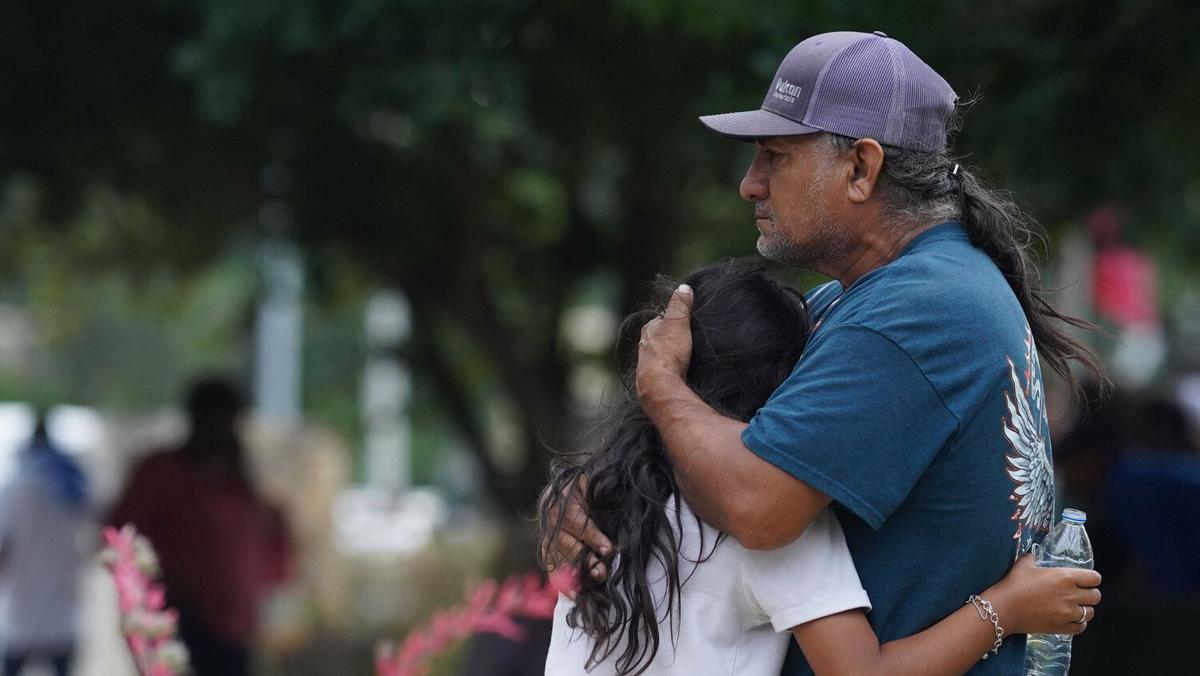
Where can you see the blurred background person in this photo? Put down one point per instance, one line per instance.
(1125, 298)
(45, 535)
(1153, 495)
(222, 548)
(1130, 461)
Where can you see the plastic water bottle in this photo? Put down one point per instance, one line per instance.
(1067, 546)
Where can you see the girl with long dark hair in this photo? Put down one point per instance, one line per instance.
(681, 597)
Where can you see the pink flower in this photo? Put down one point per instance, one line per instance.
(146, 623)
(489, 607)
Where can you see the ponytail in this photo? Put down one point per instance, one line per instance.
(1005, 233)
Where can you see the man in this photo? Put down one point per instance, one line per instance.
(222, 547)
(917, 409)
(46, 534)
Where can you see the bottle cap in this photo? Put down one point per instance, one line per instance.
(1074, 515)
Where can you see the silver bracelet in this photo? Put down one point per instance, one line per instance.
(988, 614)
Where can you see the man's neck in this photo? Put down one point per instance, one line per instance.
(877, 246)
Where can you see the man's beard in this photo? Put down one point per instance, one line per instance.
(825, 242)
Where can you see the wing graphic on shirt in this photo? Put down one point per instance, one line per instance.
(1029, 465)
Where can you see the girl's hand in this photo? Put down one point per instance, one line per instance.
(1032, 600)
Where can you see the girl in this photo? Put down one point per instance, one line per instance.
(682, 598)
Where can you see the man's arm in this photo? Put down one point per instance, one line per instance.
(725, 483)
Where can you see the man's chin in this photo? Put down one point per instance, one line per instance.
(762, 249)
(788, 254)
(770, 250)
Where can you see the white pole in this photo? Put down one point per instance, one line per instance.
(279, 332)
(386, 390)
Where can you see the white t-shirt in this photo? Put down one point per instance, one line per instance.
(736, 609)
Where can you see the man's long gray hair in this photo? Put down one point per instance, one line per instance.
(922, 187)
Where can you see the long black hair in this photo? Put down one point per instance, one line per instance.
(748, 331)
(921, 186)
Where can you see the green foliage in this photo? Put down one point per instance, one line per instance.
(117, 325)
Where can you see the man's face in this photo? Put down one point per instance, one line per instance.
(790, 183)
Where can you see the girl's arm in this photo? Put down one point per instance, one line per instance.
(1028, 600)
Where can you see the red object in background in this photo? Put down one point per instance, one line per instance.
(1125, 286)
(1124, 280)
(222, 549)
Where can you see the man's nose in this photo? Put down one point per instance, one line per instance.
(754, 184)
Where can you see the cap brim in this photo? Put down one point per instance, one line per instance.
(751, 124)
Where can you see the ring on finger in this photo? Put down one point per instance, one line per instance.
(1083, 618)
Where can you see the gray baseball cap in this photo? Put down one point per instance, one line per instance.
(862, 85)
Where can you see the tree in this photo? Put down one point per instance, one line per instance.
(494, 159)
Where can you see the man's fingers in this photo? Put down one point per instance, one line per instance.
(595, 540)
(666, 341)
(574, 517)
(564, 550)
(549, 559)
(576, 533)
(576, 523)
(567, 549)
(596, 568)
(680, 305)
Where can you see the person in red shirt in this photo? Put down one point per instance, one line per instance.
(221, 546)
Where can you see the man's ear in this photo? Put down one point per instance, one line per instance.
(866, 157)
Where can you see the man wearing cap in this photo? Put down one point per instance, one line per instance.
(917, 409)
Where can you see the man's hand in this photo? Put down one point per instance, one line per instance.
(727, 485)
(665, 348)
(576, 533)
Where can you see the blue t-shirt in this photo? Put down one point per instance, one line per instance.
(918, 407)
